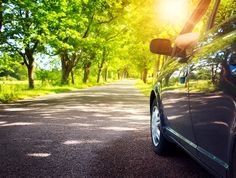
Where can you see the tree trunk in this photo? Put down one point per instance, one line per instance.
(157, 67)
(99, 74)
(86, 72)
(65, 76)
(111, 75)
(105, 74)
(66, 69)
(64, 79)
(167, 79)
(118, 74)
(144, 77)
(101, 65)
(72, 77)
(30, 76)
(30, 67)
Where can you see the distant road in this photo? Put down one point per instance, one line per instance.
(97, 132)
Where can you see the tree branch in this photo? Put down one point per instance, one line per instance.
(35, 46)
(116, 35)
(25, 61)
(19, 52)
(107, 21)
(89, 25)
(77, 59)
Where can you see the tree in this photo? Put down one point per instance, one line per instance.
(1, 14)
(71, 33)
(225, 10)
(144, 28)
(142, 31)
(22, 32)
(112, 37)
(11, 66)
(87, 63)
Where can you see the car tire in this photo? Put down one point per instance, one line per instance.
(233, 170)
(159, 142)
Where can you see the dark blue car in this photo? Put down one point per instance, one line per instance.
(193, 103)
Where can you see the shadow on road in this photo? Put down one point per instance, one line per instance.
(132, 156)
(97, 132)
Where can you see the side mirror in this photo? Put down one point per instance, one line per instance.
(161, 46)
(188, 40)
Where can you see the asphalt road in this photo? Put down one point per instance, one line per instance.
(97, 132)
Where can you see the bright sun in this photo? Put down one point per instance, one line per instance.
(173, 11)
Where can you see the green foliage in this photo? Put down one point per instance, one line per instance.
(80, 30)
(89, 41)
(145, 88)
(23, 31)
(48, 76)
(11, 67)
(226, 10)
(7, 78)
(202, 86)
(14, 90)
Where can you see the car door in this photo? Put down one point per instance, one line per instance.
(176, 103)
(212, 92)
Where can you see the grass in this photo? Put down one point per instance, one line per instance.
(202, 86)
(205, 86)
(145, 88)
(11, 91)
(195, 86)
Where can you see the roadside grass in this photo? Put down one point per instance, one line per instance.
(194, 86)
(11, 91)
(145, 88)
(202, 86)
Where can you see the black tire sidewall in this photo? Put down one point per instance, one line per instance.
(233, 163)
(161, 148)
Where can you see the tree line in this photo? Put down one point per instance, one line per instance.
(80, 33)
(102, 38)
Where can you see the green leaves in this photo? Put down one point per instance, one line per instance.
(103, 33)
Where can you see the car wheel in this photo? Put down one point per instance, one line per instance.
(159, 142)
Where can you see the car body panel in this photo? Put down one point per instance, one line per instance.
(199, 107)
(212, 92)
(176, 108)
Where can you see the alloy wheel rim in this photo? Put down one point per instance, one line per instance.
(155, 126)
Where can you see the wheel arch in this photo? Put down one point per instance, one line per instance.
(155, 95)
(152, 98)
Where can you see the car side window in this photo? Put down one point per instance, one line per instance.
(215, 59)
(226, 10)
(219, 31)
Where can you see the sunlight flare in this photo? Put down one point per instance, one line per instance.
(40, 155)
(18, 124)
(118, 128)
(172, 11)
(77, 142)
(2, 122)
(17, 109)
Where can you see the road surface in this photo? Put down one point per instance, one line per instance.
(97, 132)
